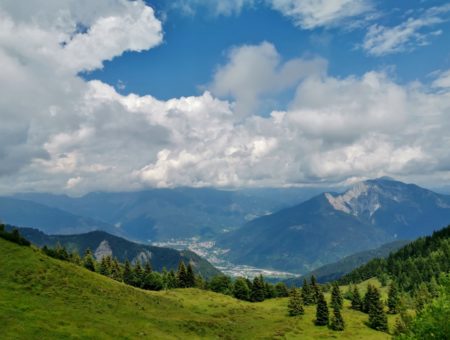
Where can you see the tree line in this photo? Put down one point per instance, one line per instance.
(13, 236)
(141, 275)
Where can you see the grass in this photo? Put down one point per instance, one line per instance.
(43, 298)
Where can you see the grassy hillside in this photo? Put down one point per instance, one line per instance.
(45, 298)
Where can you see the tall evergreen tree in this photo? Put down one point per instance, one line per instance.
(316, 291)
(88, 260)
(295, 305)
(336, 297)
(393, 298)
(258, 289)
(357, 303)
(377, 316)
(241, 290)
(369, 298)
(104, 268)
(128, 276)
(147, 267)
(190, 276)
(172, 280)
(182, 275)
(137, 274)
(116, 272)
(307, 294)
(337, 322)
(281, 290)
(322, 316)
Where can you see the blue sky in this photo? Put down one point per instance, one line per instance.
(227, 94)
(196, 43)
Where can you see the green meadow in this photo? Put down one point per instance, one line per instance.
(44, 298)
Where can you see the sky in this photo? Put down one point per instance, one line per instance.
(114, 95)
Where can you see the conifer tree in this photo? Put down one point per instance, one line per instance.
(336, 297)
(357, 303)
(337, 322)
(128, 276)
(369, 298)
(281, 290)
(190, 276)
(182, 275)
(172, 281)
(322, 316)
(377, 316)
(138, 274)
(393, 298)
(241, 290)
(104, 268)
(316, 291)
(258, 289)
(147, 267)
(307, 294)
(75, 258)
(433, 287)
(421, 297)
(200, 282)
(116, 272)
(88, 260)
(269, 291)
(295, 305)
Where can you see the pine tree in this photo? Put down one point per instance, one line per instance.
(138, 275)
(421, 297)
(369, 298)
(182, 275)
(393, 298)
(269, 291)
(241, 290)
(104, 268)
(357, 303)
(190, 276)
(88, 260)
(295, 305)
(257, 292)
(172, 281)
(116, 272)
(336, 297)
(281, 290)
(337, 322)
(128, 276)
(315, 289)
(148, 267)
(433, 287)
(307, 294)
(377, 316)
(322, 316)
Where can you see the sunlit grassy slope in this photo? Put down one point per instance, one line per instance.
(43, 298)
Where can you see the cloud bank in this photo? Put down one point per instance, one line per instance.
(59, 132)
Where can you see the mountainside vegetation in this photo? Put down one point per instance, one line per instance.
(41, 297)
(103, 244)
(418, 262)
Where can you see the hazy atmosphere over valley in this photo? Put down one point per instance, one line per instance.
(245, 161)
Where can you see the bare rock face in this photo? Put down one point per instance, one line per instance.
(103, 250)
(143, 257)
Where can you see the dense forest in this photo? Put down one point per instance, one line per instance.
(418, 262)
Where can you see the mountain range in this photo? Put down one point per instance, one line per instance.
(156, 214)
(331, 226)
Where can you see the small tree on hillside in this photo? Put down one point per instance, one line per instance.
(258, 289)
(190, 276)
(336, 297)
(356, 299)
(322, 316)
(369, 298)
(88, 260)
(295, 305)
(316, 291)
(393, 299)
(241, 290)
(377, 316)
(182, 275)
(307, 294)
(128, 276)
(337, 322)
(281, 290)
